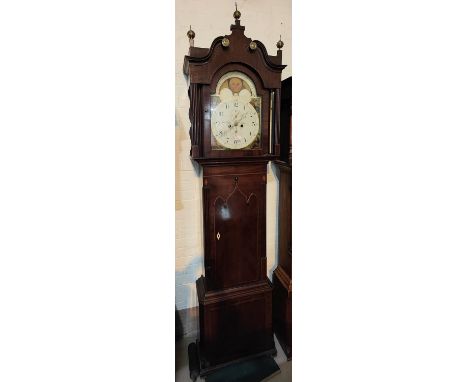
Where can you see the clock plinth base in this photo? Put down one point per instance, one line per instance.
(235, 324)
(195, 365)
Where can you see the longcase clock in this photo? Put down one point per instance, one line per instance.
(234, 91)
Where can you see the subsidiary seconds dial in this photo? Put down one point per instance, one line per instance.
(235, 123)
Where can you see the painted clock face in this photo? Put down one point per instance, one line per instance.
(235, 113)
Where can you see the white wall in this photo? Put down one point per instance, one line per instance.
(264, 20)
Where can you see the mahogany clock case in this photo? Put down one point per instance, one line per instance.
(282, 275)
(235, 294)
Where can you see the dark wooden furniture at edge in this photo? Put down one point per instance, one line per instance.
(282, 275)
(235, 294)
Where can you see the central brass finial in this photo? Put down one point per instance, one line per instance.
(237, 14)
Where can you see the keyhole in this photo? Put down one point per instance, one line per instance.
(218, 236)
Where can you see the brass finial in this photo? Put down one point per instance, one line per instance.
(191, 33)
(280, 43)
(237, 14)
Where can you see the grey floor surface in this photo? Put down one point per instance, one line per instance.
(182, 369)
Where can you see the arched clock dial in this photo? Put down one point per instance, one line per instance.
(235, 121)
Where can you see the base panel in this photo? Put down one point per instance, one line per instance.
(196, 368)
(234, 324)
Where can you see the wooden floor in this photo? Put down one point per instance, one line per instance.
(182, 369)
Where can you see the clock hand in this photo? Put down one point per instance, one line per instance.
(243, 115)
(238, 118)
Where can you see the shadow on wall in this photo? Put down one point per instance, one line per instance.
(182, 142)
(179, 131)
(186, 322)
(187, 173)
(182, 152)
(179, 328)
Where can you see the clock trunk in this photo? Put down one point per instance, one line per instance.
(234, 207)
